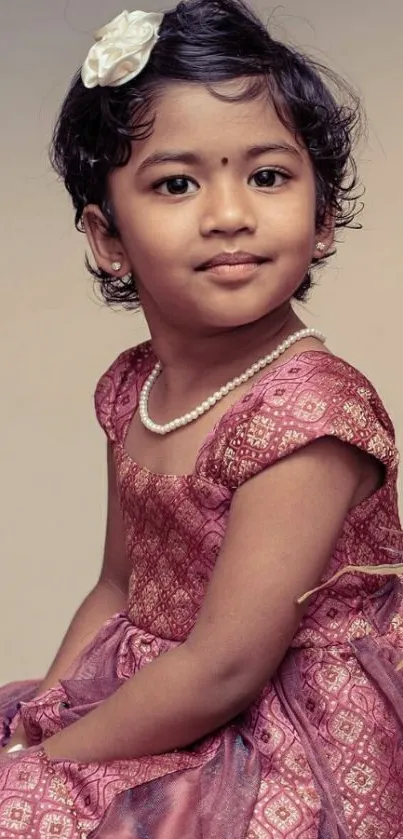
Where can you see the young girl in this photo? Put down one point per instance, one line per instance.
(234, 674)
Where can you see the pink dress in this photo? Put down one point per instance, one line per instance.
(319, 754)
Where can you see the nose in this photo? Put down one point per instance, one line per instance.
(228, 210)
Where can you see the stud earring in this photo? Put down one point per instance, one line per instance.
(320, 246)
(116, 266)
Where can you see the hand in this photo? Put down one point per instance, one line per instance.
(19, 738)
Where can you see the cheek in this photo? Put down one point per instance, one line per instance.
(292, 214)
(299, 228)
(150, 245)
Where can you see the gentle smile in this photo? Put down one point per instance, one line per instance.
(232, 259)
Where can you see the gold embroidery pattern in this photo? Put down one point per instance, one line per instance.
(33, 802)
(331, 711)
(313, 396)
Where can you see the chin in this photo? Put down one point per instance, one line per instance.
(236, 317)
(243, 306)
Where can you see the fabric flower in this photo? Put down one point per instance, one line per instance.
(122, 49)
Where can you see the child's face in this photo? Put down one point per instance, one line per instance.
(174, 216)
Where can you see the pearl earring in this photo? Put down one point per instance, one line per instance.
(116, 266)
(320, 246)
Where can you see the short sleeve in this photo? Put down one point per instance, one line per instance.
(312, 396)
(117, 391)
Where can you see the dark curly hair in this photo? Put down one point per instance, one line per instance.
(208, 42)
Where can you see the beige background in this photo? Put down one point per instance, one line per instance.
(56, 339)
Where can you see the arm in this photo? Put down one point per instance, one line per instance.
(107, 598)
(282, 530)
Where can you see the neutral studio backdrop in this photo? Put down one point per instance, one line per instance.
(56, 338)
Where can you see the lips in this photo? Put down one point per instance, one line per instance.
(232, 258)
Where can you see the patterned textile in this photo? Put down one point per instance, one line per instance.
(319, 754)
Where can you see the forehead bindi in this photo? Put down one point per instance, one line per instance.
(198, 158)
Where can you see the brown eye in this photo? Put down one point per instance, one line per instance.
(175, 186)
(270, 178)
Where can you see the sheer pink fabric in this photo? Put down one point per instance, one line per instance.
(319, 753)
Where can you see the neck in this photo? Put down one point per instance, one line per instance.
(217, 357)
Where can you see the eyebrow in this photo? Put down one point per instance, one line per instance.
(192, 159)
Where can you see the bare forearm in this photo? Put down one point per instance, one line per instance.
(102, 602)
(167, 705)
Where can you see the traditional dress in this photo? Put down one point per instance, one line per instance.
(319, 754)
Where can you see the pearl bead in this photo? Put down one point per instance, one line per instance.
(219, 394)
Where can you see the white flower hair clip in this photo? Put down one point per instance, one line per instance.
(122, 49)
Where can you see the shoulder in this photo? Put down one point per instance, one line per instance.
(316, 387)
(120, 383)
(310, 396)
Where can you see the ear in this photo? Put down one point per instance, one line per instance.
(324, 239)
(107, 250)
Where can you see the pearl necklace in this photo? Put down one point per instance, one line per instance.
(219, 394)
